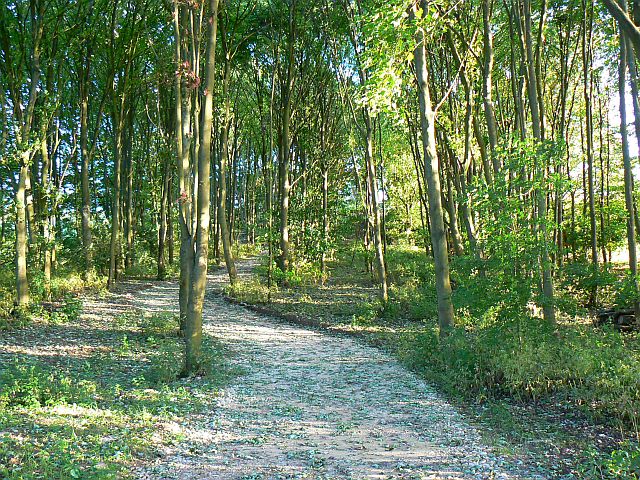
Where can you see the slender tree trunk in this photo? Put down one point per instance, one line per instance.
(170, 234)
(628, 174)
(114, 246)
(548, 307)
(164, 213)
(128, 203)
(47, 209)
(285, 144)
(325, 222)
(489, 109)
(434, 192)
(31, 213)
(633, 82)
(87, 238)
(183, 149)
(376, 223)
(456, 238)
(222, 182)
(193, 332)
(588, 93)
(22, 283)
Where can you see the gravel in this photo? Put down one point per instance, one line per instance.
(318, 406)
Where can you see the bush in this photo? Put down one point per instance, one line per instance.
(159, 324)
(624, 462)
(31, 386)
(529, 359)
(167, 360)
(625, 292)
(165, 364)
(69, 311)
(245, 250)
(365, 314)
(250, 291)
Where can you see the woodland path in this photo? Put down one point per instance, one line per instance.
(318, 406)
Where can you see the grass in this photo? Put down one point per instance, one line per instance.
(96, 412)
(571, 392)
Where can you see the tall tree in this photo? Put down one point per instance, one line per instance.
(432, 175)
(193, 327)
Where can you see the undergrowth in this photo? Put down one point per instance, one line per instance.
(501, 348)
(92, 418)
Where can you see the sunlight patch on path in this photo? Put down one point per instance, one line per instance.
(317, 406)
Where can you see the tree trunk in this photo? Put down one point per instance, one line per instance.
(548, 307)
(114, 246)
(87, 239)
(164, 213)
(47, 210)
(183, 148)
(193, 331)
(628, 173)
(588, 93)
(285, 144)
(129, 206)
(456, 238)
(489, 110)
(222, 182)
(376, 223)
(22, 283)
(434, 192)
(325, 222)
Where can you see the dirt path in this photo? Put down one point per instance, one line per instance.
(317, 406)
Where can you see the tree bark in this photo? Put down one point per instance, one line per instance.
(22, 283)
(222, 175)
(489, 109)
(87, 238)
(629, 29)
(628, 172)
(285, 145)
(114, 245)
(164, 213)
(548, 307)
(588, 93)
(193, 331)
(434, 192)
(183, 147)
(376, 223)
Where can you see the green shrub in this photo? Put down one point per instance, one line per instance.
(625, 292)
(624, 462)
(250, 291)
(365, 314)
(165, 363)
(159, 324)
(17, 317)
(530, 359)
(69, 311)
(31, 386)
(167, 359)
(6, 303)
(245, 250)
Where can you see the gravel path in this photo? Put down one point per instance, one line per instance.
(317, 406)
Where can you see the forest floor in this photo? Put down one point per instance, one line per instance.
(97, 397)
(550, 437)
(90, 396)
(317, 405)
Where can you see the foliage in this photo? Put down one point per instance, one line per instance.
(94, 417)
(622, 463)
(158, 324)
(500, 353)
(251, 290)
